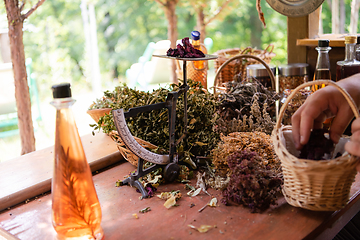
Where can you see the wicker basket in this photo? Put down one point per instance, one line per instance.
(315, 185)
(97, 113)
(194, 73)
(234, 68)
(236, 58)
(125, 152)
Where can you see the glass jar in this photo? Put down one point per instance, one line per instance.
(292, 75)
(260, 73)
(349, 66)
(357, 48)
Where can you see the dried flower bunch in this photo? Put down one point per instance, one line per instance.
(254, 141)
(153, 126)
(319, 147)
(251, 184)
(257, 121)
(185, 51)
(246, 106)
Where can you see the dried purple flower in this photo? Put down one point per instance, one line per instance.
(318, 147)
(149, 188)
(185, 51)
(251, 184)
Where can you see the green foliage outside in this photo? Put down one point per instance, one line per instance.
(54, 36)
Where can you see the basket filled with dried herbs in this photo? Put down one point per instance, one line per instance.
(234, 68)
(96, 114)
(318, 177)
(152, 127)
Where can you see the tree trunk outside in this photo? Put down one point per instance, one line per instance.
(256, 30)
(169, 9)
(22, 95)
(200, 23)
(342, 17)
(355, 5)
(335, 17)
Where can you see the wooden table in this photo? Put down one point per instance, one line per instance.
(32, 220)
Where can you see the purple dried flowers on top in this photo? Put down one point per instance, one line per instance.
(185, 51)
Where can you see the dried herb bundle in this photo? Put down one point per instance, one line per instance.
(318, 147)
(246, 106)
(254, 141)
(251, 184)
(258, 120)
(153, 126)
(185, 51)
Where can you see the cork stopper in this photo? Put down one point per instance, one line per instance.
(350, 39)
(62, 90)
(323, 43)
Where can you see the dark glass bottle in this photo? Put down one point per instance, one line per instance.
(322, 69)
(76, 212)
(349, 66)
(357, 48)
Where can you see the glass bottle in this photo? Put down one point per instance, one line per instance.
(76, 212)
(349, 66)
(322, 69)
(357, 48)
(200, 66)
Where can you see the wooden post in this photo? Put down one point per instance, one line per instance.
(297, 29)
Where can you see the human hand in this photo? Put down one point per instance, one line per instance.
(353, 146)
(324, 103)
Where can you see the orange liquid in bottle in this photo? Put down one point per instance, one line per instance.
(321, 74)
(76, 211)
(200, 65)
(326, 75)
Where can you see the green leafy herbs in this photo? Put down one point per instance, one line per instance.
(154, 126)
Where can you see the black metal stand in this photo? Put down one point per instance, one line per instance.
(170, 171)
(133, 180)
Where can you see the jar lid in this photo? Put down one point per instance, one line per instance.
(350, 39)
(61, 90)
(293, 69)
(195, 35)
(259, 70)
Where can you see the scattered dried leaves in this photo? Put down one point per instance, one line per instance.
(202, 228)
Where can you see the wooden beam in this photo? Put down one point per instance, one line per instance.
(297, 29)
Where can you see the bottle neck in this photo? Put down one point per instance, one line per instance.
(350, 51)
(61, 103)
(323, 61)
(196, 43)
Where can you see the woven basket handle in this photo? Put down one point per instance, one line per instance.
(247, 50)
(317, 82)
(271, 74)
(268, 47)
